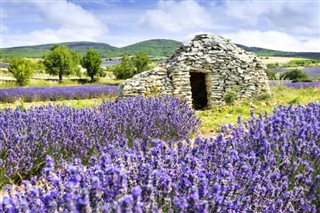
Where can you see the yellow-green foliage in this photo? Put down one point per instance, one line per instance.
(302, 62)
(22, 70)
(213, 119)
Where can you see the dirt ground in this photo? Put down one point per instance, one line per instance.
(279, 60)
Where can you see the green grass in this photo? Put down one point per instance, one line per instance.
(213, 119)
(302, 62)
(84, 103)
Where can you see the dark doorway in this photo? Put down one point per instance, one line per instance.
(198, 89)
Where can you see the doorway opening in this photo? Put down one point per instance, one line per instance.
(198, 90)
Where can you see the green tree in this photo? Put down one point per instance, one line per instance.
(62, 62)
(92, 62)
(22, 70)
(76, 59)
(140, 61)
(125, 69)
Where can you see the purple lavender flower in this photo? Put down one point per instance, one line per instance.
(30, 94)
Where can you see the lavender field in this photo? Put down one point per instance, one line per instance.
(31, 94)
(296, 85)
(135, 156)
(313, 72)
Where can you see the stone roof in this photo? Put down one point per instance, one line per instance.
(207, 50)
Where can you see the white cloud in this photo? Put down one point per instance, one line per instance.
(295, 16)
(73, 23)
(275, 40)
(67, 14)
(171, 16)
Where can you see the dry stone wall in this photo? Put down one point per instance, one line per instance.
(150, 82)
(226, 67)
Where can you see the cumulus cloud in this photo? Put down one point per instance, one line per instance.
(67, 14)
(171, 16)
(296, 16)
(275, 40)
(66, 21)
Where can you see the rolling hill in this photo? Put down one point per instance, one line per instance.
(154, 48)
(267, 52)
(37, 51)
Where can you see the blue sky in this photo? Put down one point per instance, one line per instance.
(292, 25)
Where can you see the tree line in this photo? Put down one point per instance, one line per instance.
(60, 61)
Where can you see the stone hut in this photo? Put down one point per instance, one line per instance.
(202, 71)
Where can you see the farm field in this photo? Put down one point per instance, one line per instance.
(167, 106)
(137, 154)
(31, 94)
(279, 60)
(73, 148)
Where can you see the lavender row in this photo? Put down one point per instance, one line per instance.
(296, 85)
(302, 85)
(26, 137)
(268, 164)
(311, 71)
(30, 94)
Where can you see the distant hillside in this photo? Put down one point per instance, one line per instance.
(154, 47)
(37, 51)
(266, 52)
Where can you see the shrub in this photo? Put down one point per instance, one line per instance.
(22, 70)
(295, 75)
(264, 96)
(272, 75)
(125, 69)
(276, 65)
(231, 95)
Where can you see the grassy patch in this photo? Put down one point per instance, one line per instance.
(213, 119)
(84, 103)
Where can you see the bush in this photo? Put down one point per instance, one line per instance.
(22, 70)
(264, 96)
(272, 75)
(125, 69)
(231, 95)
(276, 65)
(295, 75)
